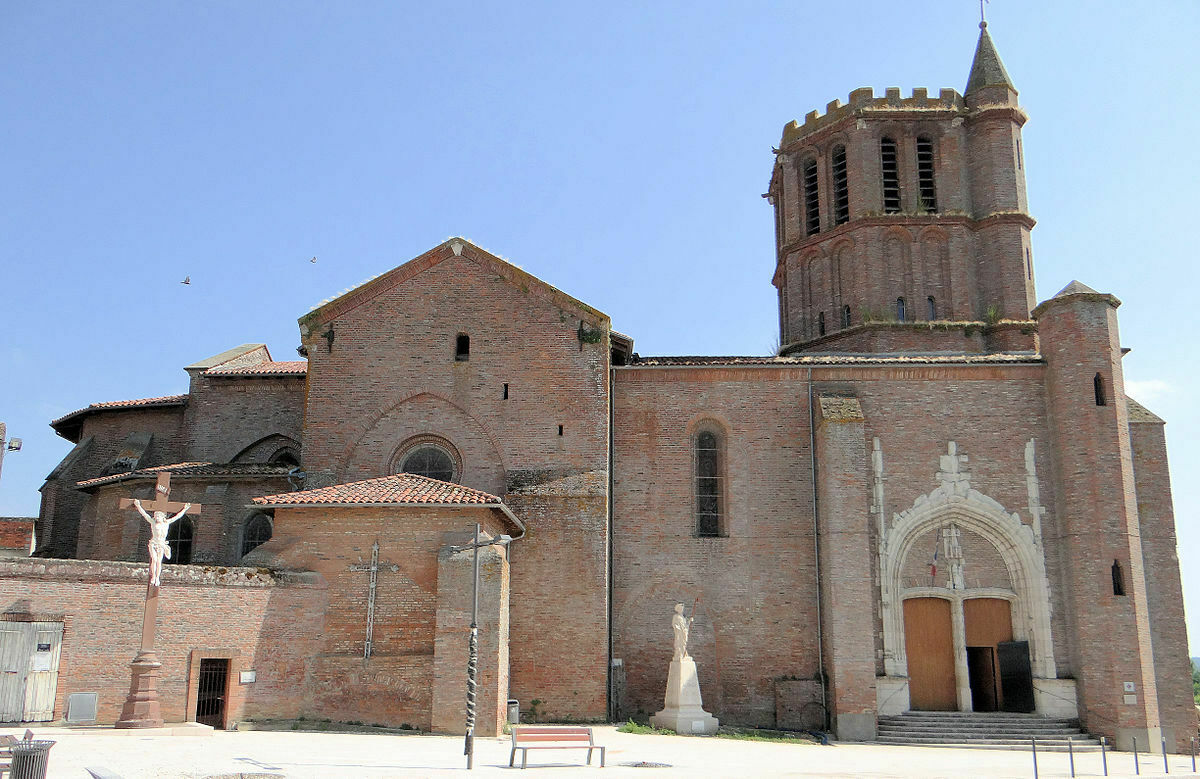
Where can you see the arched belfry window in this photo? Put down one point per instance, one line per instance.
(812, 203)
(1118, 577)
(932, 308)
(900, 309)
(1098, 386)
(179, 538)
(841, 188)
(925, 177)
(709, 482)
(256, 532)
(890, 168)
(845, 317)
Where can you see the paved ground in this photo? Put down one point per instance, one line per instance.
(300, 755)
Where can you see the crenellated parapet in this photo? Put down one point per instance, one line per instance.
(863, 102)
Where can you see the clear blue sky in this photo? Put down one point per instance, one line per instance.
(617, 150)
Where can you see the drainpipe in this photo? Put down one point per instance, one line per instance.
(812, 458)
(612, 703)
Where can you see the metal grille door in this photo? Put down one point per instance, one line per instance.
(210, 698)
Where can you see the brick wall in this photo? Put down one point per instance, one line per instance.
(226, 415)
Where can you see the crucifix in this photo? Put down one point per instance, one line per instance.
(373, 568)
(141, 705)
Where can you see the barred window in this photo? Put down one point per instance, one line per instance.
(889, 163)
(708, 483)
(841, 190)
(179, 539)
(925, 179)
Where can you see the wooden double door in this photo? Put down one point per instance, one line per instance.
(997, 668)
(29, 654)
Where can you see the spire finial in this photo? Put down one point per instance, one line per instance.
(982, 15)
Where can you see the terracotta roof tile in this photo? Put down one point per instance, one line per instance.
(403, 488)
(165, 400)
(195, 469)
(284, 368)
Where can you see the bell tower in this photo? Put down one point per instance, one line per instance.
(894, 212)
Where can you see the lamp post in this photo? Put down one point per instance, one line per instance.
(7, 445)
(473, 639)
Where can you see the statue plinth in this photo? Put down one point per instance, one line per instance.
(683, 710)
(141, 705)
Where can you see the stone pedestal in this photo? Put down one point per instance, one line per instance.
(683, 710)
(141, 705)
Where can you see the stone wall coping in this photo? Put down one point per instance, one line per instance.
(115, 571)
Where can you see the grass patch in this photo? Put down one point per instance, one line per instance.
(634, 727)
(755, 734)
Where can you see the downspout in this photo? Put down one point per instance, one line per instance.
(812, 457)
(612, 703)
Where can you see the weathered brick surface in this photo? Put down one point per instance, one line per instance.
(227, 416)
(16, 535)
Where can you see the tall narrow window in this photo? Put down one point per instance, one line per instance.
(841, 189)
(812, 206)
(845, 317)
(256, 533)
(708, 484)
(1018, 154)
(821, 323)
(932, 308)
(1101, 395)
(900, 309)
(462, 347)
(1118, 576)
(179, 539)
(925, 178)
(891, 175)
(1028, 263)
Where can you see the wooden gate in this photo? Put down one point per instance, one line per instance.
(29, 654)
(929, 646)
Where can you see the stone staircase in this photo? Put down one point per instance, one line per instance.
(977, 730)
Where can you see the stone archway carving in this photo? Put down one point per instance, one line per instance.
(954, 501)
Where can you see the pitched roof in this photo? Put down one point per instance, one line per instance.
(986, 68)
(353, 297)
(402, 489)
(239, 355)
(70, 423)
(271, 368)
(193, 470)
(1076, 288)
(1139, 413)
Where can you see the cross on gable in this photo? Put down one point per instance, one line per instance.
(162, 498)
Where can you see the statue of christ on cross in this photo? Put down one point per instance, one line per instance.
(158, 547)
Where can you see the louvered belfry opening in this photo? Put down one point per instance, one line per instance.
(925, 178)
(841, 187)
(812, 206)
(891, 175)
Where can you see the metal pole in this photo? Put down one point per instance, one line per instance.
(1033, 746)
(473, 655)
(1166, 768)
(1193, 754)
(1104, 755)
(1137, 769)
(1071, 754)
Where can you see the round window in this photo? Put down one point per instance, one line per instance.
(431, 461)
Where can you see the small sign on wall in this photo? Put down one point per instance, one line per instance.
(247, 677)
(1130, 687)
(1131, 699)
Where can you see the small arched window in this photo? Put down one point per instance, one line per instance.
(845, 317)
(812, 204)
(821, 323)
(462, 347)
(1118, 577)
(256, 532)
(430, 461)
(179, 538)
(925, 178)
(709, 483)
(1098, 386)
(899, 309)
(285, 457)
(932, 308)
(890, 168)
(841, 188)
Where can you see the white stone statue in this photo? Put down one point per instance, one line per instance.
(158, 546)
(682, 626)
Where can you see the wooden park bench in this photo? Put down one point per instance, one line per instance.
(527, 738)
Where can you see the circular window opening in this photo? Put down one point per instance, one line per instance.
(430, 461)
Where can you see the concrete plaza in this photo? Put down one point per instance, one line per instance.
(300, 755)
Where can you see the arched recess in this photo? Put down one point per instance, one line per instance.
(955, 502)
(268, 449)
(426, 414)
(935, 261)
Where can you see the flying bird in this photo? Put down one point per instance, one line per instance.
(186, 280)
(314, 259)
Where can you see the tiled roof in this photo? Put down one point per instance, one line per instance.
(285, 368)
(403, 488)
(165, 400)
(844, 359)
(196, 469)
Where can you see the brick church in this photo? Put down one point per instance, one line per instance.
(937, 496)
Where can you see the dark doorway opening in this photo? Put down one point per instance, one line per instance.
(210, 698)
(1016, 675)
(981, 668)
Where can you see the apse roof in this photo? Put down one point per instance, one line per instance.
(69, 424)
(191, 469)
(270, 368)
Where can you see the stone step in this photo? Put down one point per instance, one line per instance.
(958, 716)
(977, 734)
(1090, 745)
(926, 723)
